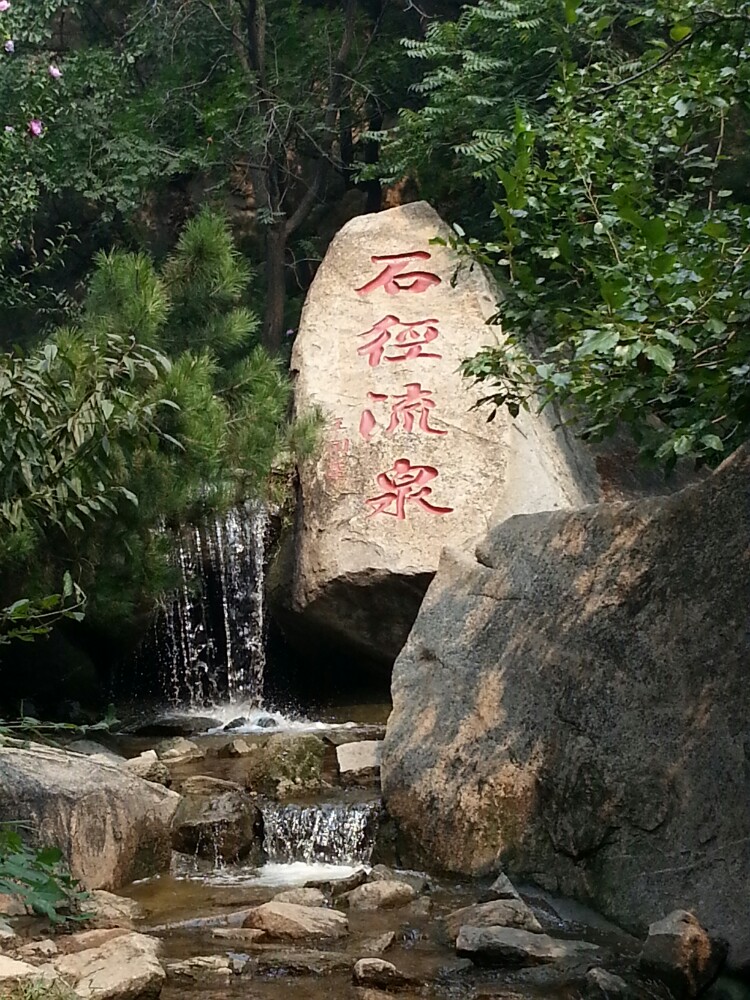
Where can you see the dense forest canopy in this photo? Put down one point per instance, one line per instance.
(172, 172)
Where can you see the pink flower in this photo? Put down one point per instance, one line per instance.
(4, 5)
(54, 72)
(10, 46)
(36, 127)
(9, 128)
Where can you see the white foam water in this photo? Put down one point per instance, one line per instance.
(257, 721)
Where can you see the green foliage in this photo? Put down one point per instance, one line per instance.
(157, 408)
(26, 619)
(616, 211)
(40, 879)
(38, 989)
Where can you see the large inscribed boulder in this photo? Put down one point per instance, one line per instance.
(407, 466)
(573, 702)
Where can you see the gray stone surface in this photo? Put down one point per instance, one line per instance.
(573, 701)
(112, 826)
(380, 895)
(381, 363)
(217, 819)
(510, 946)
(379, 974)
(498, 913)
(289, 920)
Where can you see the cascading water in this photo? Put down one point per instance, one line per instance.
(210, 636)
(330, 833)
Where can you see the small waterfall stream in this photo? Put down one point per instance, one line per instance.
(329, 833)
(210, 636)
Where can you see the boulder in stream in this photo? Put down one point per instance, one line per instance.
(573, 702)
(217, 819)
(148, 766)
(125, 968)
(289, 920)
(380, 895)
(511, 947)
(111, 826)
(680, 952)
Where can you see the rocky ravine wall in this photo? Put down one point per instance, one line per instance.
(573, 700)
(407, 466)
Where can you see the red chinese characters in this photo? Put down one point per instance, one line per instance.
(395, 277)
(413, 406)
(393, 340)
(405, 484)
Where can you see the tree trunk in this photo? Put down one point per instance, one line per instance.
(273, 320)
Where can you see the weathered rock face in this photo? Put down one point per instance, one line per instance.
(406, 465)
(573, 701)
(289, 920)
(680, 952)
(112, 826)
(217, 818)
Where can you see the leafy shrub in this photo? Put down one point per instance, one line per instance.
(39, 878)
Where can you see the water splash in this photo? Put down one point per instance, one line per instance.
(329, 833)
(210, 635)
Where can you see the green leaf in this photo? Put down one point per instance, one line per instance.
(713, 442)
(680, 31)
(660, 355)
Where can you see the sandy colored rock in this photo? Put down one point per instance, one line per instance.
(148, 766)
(125, 968)
(680, 952)
(217, 818)
(501, 888)
(177, 750)
(573, 701)
(377, 352)
(497, 913)
(606, 985)
(36, 951)
(70, 944)
(302, 897)
(382, 975)
(112, 826)
(288, 920)
(199, 965)
(511, 947)
(359, 763)
(13, 971)
(377, 945)
(235, 748)
(109, 910)
(379, 896)
(11, 906)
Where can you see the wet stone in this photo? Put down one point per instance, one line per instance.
(288, 920)
(382, 975)
(511, 947)
(382, 895)
(302, 897)
(501, 888)
(377, 945)
(498, 913)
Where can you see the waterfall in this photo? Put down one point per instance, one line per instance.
(332, 833)
(210, 634)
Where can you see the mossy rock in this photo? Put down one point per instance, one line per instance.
(286, 764)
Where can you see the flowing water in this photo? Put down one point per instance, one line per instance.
(331, 833)
(210, 636)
